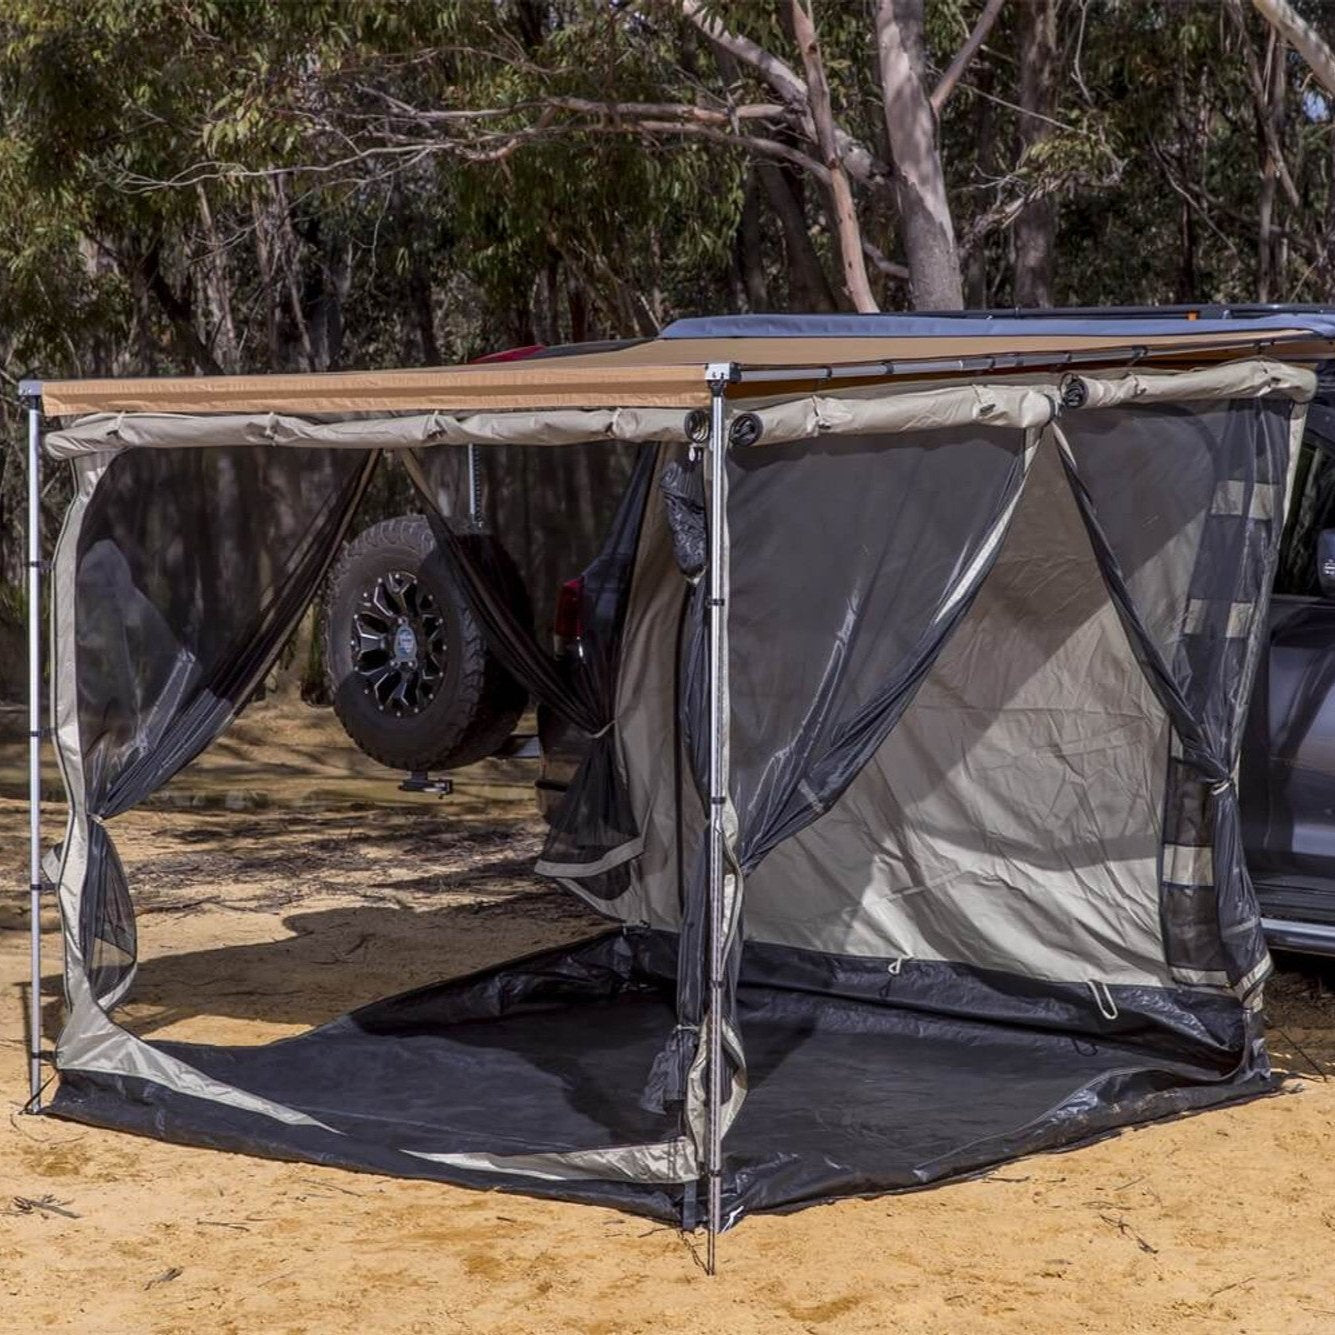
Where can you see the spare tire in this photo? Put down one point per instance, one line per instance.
(410, 675)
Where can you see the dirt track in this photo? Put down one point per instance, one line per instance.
(315, 893)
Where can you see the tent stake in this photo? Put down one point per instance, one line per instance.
(35, 753)
(718, 377)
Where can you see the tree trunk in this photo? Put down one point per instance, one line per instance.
(977, 285)
(1265, 209)
(843, 211)
(262, 213)
(1303, 37)
(225, 344)
(423, 308)
(750, 252)
(926, 227)
(176, 306)
(808, 284)
(1035, 228)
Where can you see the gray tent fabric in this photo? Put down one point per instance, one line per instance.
(974, 907)
(852, 559)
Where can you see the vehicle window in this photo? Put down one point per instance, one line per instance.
(1311, 510)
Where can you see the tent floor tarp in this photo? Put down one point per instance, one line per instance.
(552, 1054)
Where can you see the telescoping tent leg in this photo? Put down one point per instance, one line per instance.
(718, 378)
(35, 754)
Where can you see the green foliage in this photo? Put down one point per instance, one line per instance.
(258, 184)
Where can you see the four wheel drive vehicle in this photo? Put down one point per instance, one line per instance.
(1287, 779)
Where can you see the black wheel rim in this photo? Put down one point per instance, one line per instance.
(398, 644)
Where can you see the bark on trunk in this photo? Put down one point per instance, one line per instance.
(750, 251)
(926, 227)
(808, 284)
(1265, 221)
(1303, 37)
(225, 342)
(423, 308)
(1035, 229)
(977, 280)
(843, 210)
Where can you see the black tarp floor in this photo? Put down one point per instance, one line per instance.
(553, 1054)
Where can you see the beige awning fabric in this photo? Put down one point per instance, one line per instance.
(890, 408)
(1232, 380)
(659, 373)
(886, 407)
(102, 433)
(985, 403)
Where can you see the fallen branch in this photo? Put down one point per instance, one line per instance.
(1127, 1231)
(44, 1205)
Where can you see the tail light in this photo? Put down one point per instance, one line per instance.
(511, 354)
(568, 623)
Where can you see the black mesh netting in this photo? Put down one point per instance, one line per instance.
(1183, 505)
(851, 560)
(193, 567)
(593, 834)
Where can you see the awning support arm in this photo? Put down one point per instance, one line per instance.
(986, 363)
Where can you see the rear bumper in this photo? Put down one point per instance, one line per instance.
(1306, 938)
(550, 794)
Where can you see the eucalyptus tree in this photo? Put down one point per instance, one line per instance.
(205, 185)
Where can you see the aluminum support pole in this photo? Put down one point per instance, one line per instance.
(718, 378)
(35, 755)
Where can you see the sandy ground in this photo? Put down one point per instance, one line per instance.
(284, 881)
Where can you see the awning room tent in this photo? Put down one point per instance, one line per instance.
(916, 665)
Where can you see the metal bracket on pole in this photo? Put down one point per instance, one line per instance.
(718, 375)
(474, 489)
(31, 393)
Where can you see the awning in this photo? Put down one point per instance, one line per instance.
(669, 372)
